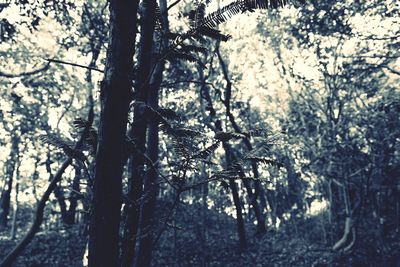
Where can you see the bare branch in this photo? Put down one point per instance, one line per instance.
(73, 64)
(12, 75)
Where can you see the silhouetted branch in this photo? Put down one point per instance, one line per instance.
(12, 75)
(73, 64)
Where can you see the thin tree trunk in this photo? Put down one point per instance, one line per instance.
(138, 134)
(115, 98)
(236, 199)
(12, 256)
(58, 191)
(147, 209)
(73, 198)
(204, 224)
(15, 212)
(204, 92)
(259, 213)
(6, 194)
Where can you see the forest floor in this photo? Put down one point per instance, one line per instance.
(183, 244)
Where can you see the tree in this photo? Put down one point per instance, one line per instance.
(115, 98)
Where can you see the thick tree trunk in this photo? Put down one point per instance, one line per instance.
(115, 98)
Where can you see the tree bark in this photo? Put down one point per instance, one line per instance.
(115, 98)
(147, 209)
(138, 134)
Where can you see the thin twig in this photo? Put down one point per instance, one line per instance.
(188, 81)
(73, 64)
(173, 4)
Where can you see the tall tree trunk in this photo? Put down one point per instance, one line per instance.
(204, 92)
(74, 196)
(115, 98)
(147, 209)
(259, 212)
(204, 215)
(236, 199)
(15, 204)
(6, 194)
(138, 133)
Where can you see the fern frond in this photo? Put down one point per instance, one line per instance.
(56, 141)
(264, 160)
(226, 136)
(257, 133)
(214, 34)
(225, 13)
(226, 174)
(193, 49)
(168, 113)
(205, 153)
(186, 132)
(196, 16)
(66, 146)
(183, 56)
(180, 148)
(91, 139)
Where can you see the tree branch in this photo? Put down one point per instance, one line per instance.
(73, 64)
(12, 75)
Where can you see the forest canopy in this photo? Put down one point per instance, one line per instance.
(199, 133)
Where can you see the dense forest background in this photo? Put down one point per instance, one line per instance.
(199, 133)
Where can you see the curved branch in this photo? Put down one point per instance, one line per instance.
(12, 256)
(27, 73)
